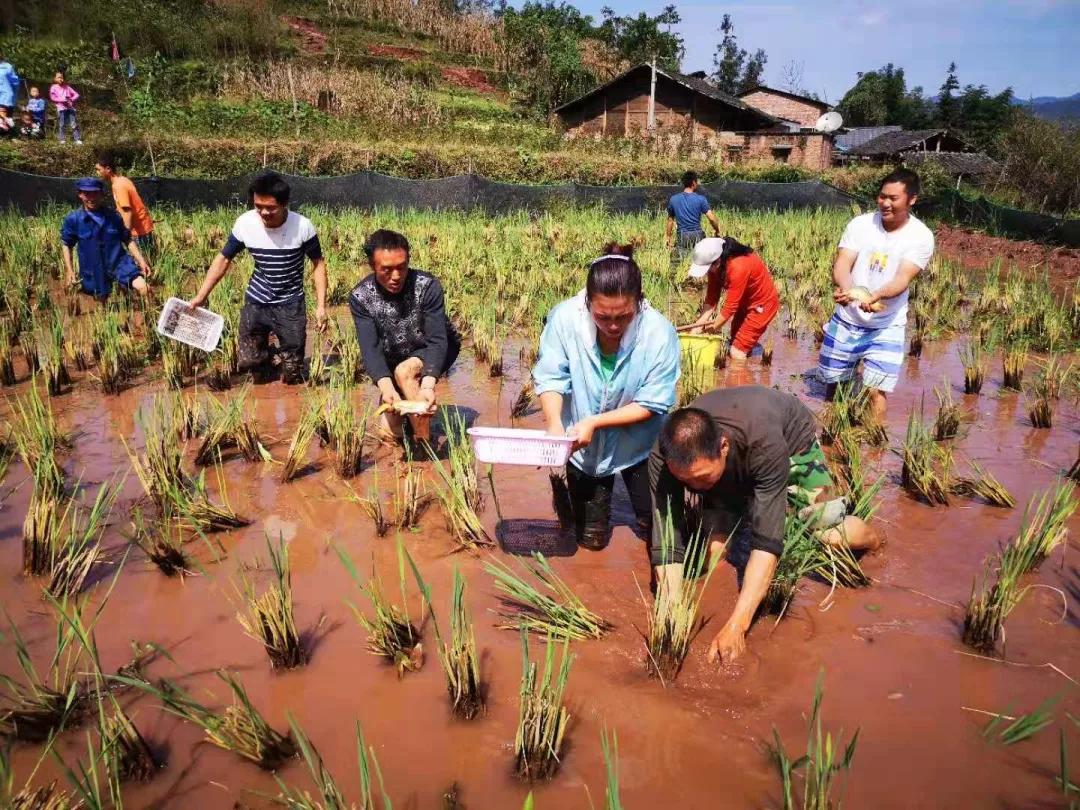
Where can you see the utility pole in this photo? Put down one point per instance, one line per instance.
(652, 96)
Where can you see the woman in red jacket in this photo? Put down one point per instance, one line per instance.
(751, 301)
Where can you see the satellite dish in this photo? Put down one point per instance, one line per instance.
(829, 122)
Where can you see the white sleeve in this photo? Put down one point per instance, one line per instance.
(850, 240)
(920, 250)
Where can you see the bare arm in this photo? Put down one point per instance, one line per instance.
(841, 273)
(318, 276)
(551, 405)
(216, 273)
(68, 266)
(904, 276)
(140, 260)
(730, 642)
(709, 215)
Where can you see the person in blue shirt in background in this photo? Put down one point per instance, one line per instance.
(606, 376)
(107, 253)
(35, 105)
(9, 83)
(685, 210)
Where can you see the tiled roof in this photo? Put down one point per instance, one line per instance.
(955, 162)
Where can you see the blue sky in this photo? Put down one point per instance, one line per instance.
(1032, 45)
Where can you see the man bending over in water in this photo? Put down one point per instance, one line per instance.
(748, 452)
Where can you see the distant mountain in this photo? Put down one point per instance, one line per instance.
(1053, 107)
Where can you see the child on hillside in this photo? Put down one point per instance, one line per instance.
(29, 129)
(7, 123)
(35, 105)
(64, 96)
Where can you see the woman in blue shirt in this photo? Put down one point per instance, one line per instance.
(606, 376)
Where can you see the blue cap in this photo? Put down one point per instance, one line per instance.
(89, 184)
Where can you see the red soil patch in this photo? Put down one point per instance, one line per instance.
(312, 40)
(978, 251)
(469, 78)
(396, 52)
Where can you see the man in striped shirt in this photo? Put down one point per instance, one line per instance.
(278, 240)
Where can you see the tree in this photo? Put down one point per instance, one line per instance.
(736, 71)
(947, 107)
(880, 97)
(640, 39)
(791, 77)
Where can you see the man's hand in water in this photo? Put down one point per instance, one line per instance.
(728, 645)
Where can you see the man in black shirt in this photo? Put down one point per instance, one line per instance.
(406, 338)
(748, 452)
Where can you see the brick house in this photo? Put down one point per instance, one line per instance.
(691, 117)
(801, 111)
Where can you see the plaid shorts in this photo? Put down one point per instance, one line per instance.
(880, 350)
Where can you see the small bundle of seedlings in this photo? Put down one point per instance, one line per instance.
(350, 366)
(551, 608)
(767, 353)
(391, 633)
(460, 658)
(317, 367)
(1074, 471)
(462, 458)
(188, 502)
(927, 465)
(329, 795)
(674, 620)
(974, 368)
(7, 360)
(373, 507)
(162, 543)
(799, 558)
(1055, 376)
(982, 484)
(345, 434)
(852, 411)
(915, 346)
(609, 745)
(80, 550)
(822, 762)
(28, 346)
(694, 380)
(172, 364)
(461, 518)
(190, 415)
(240, 728)
(43, 524)
(116, 354)
(947, 423)
(542, 717)
(52, 355)
(990, 605)
(160, 465)
(1045, 526)
(1012, 362)
(268, 618)
(46, 797)
(126, 754)
(410, 499)
(523, 401)
(296, 458)
(1041, 403)
(231, 424)
(38, 438)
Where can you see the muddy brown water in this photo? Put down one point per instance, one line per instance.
(894, 666)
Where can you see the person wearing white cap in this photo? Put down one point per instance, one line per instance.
(751, 300)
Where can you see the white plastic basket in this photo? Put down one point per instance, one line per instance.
(201, 328)
(533, 448)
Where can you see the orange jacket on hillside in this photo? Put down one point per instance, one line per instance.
(748, 284)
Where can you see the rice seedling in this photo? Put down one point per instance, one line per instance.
(1074, 471)
(1044, 526)
(1055, 376)
(1021, 728)
(800, 558)
(7, 361)
(268, 618)
(46, 797)
(974, 368)
(1041, 404)
(410, 499)
(317, 368)
(947, 423)
(86, 781)
(161, 462)
(927, 466)
(462, 459)
(694, 380)
(673, 619)
(523, 401)
(231, 424)
(542, 717)
(75, 557)
(296, 458)
(767, 353)
(42, 526)
(981, 484)
(373, 508)
(915, 346)
(610, 748)
(52, 356)
(28, 345)
(391, 633)
(989, 606)
(38, 438)
(240, 728)
(346, 435)
(460, 658)
(461, 519)
(1013, 367)
(851, 411)
(172, 365)
(190, 415)
(549, 607)
(126, 754)
(188, 502)
(822, 763)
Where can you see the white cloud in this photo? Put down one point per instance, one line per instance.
(873, 18)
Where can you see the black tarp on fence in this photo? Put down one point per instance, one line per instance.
(28, 192)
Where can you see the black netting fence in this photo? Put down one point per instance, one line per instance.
(28, 192)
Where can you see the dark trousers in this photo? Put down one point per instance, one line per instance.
(590, 498)
(288, 323)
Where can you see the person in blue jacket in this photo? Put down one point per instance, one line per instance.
(606, 375)
(107, 253)
(9, 84)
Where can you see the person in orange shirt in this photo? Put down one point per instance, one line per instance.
(751, 301)
(129, 204)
